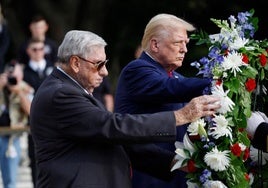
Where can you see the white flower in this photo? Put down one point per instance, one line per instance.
(214, 184)
(232, 20)
(180, 151)
(242, 146)
(217, 160)
(223, 37)
(238, 43)
(221, 127)
(229, 37)
(251, 178)
(224, 75)
(235, 42)
(232, 62)
(215, 37)
(226, 103)
(194, 126)
(191, 185)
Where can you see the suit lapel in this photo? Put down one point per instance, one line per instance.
(64, 77)
(97, 102)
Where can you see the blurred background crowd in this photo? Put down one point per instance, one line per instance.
(121, 23)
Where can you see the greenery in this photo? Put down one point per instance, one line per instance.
(216, 149)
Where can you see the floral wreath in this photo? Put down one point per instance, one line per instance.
(216, 149)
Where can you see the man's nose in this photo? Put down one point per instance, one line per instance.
(103, 71)
(184, 48)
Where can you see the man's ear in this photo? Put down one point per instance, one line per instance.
(154, 45)
(75, 64)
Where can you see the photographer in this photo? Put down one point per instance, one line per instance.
(15, 101)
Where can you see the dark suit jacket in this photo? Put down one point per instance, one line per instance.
(32, 77)
(78, 142)
(144, 86)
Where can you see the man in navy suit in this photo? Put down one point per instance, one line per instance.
(78, 142)
(150, 84)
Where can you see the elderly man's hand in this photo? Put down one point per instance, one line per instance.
(198, 107)
(254, 121)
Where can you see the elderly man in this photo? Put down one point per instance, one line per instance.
(78, 142)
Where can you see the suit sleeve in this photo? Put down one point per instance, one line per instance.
(145, 82)
(80, 117)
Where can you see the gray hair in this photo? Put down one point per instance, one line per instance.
(79, 43)
(161, 25)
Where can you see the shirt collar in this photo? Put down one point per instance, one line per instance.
(38, 65)
(73, 80)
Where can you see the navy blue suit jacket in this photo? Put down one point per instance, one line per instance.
(145, 87)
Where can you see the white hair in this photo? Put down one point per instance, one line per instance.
(78, 42)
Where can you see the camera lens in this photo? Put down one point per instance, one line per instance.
(12, 80)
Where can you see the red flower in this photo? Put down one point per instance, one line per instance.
(218, 82)
(236, 149)
(250, 84)
(245, 59)
(247, 177)
(246, 154)
(263, 59)
(226, 52)
(249, 137)
(191, 166)
(194, 137)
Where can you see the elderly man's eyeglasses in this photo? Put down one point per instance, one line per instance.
(97, 65)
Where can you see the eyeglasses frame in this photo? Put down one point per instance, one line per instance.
(97, 65)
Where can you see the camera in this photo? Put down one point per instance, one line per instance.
(11, 80)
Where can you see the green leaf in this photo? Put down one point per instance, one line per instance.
(262, 74)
